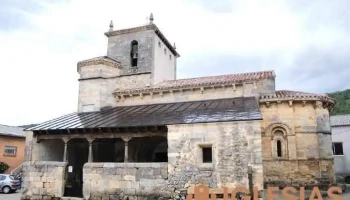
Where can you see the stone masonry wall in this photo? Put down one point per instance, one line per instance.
(43, 180)
(236, 145)
(114, 180)
(307, 143)
(240, 90)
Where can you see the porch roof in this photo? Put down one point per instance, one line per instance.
(207, 111)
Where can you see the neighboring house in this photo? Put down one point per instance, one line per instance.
(12, 143)
(341, 145)
(140, 131)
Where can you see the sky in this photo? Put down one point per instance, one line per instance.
(306, 43)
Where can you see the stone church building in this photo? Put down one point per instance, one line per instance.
(141, 133)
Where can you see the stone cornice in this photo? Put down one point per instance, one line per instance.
(145, 28)
(103, 60)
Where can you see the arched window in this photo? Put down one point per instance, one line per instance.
(279, 148)
(134, 53)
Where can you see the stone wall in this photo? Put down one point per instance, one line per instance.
(119, 48)
(236, 145)
(115, 180)
(240, 90)
(43, 179)
(299, 173)
(99, 92)
(306, 142)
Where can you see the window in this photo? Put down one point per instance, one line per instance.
(164, 50)
(207, 154)
(2, 178)
(279, 148)
(338, 149)
(159, 45)
(170, 56)
(10, 151)
(134, 53)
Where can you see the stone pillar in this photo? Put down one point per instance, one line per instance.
(65, 140)
(90, 140)
(126, 152)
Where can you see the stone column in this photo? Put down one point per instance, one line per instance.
(90, 140)
(65, 140)
(126, 152)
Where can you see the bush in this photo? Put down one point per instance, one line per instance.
(3, 167)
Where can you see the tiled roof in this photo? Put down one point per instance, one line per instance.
(218, 110)
(204, 81)
(11, 131)
(287, 94)
(340, 120)
(99, 60)
(145, 28)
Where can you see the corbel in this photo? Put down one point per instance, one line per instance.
(141, 95)
(122, 98)
(213, 87)
(279, 103)
(233, 87)
(318, 104)
(151, 94)
(181, 91)
(255, 85)
(117, 98)
(223, 87)
(202, 90)
(161, 93)
(171, 92)
(290, 103)
(304, 103)
(267, 104)
(130, 95)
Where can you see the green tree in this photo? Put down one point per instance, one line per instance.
(3, 167)
(342, 105)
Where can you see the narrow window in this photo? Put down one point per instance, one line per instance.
(207, 154)
(170, 56)
(159, 45)
(164, 50)
(279, 148)
(10, 151)
(338, 149)
(134, 53)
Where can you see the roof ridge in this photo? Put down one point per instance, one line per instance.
(10, 126)
(244, 73)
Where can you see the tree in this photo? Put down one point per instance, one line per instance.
(3, 167)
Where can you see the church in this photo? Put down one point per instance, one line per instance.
(141, 133)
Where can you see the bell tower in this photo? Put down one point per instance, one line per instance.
(142, 50)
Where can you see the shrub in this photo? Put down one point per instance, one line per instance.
(3, 167)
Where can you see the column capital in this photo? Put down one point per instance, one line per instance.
(65, 139)
(90, 140)
(126, 138)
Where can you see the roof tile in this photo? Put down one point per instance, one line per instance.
(204, 81)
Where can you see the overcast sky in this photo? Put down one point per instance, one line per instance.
(305, 42)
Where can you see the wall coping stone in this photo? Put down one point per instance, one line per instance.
(126, 165)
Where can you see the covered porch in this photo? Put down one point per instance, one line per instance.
(144, 150)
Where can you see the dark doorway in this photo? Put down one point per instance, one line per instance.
(77, 156)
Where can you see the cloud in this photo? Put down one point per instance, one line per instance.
(305, 43)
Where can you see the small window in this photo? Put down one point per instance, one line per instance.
(159, 45)
(10, 151)
(165, 50)
(338, 149)
(170, 56)
(279, 148)
(207, 154)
